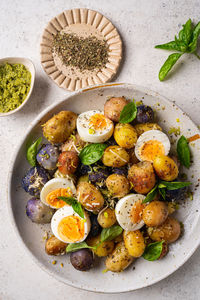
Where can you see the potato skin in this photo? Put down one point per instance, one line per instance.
(89, 196)
(125, 135)
(104, 248)
(134, 242)
(60, 127)
(169, 231)
(119, 259)
(165, 167)
(142, 177)
(118, 185)
(68, 162)
(141, 128)
(155, 213)
(113, 108)
(106, 217)
(74, 143)
(54, 246)
(115, 156)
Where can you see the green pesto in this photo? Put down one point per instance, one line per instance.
(15, 81)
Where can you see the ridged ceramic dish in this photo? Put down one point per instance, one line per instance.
(82, 22)
(145, 272)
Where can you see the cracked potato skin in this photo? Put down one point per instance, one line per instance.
(59, 128)
(142, 177)
(119, 259)
(113, 108)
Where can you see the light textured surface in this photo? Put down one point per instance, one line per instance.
(142, 24)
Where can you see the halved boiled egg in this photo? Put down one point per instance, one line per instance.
(150, 144)
(68, 226)
(129, 210)
(54, 188)
(94, 127)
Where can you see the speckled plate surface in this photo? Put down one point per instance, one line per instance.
(145, 272)
(84, 23)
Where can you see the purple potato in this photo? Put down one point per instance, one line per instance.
(95, 227)
(34, 180)
(82, 260)
(175, 195)
(84, 169)
(99, 177)
(145, 114)
(120, 171)
(38, 212)
(47, 156)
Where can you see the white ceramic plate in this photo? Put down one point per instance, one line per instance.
(145, 273)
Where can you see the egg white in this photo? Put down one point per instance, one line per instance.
(66, 211)
(152, 135)
(123, 209)
(54, 184)
(99, 136)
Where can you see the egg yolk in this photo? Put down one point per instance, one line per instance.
(71, 229)
(52, 197)
(136, 212)
(98, 121)
(151, 149)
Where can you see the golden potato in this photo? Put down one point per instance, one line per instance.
(115, 156)
(142, 177)
(60, 127)
(119, 238)
(74, 143)
(89, 196)
(125, 135)
(134, 242)
(104, 248)
(118, 185)
(141, 128)
(169, 231)
(68, 162)
(106, 217)
(119, 259)
(155, 213)
(113, 108)
(54, 246)
(83, 178)
(165, 167)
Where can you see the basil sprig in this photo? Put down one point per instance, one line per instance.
(77, 246)
(186, 42)
(92, 153)
(183, 151)
(128, 113)
(150, 196)
(153, 251)
(32, 152)
(75, 205)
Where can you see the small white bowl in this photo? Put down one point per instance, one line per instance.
(30, 67)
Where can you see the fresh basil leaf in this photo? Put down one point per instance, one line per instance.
(77, 246)
(108, 234)
(162, 192)
(128, 113)
(173, 185)
(171, 60)
(150, 196)
(153, 251)
(32, 152)
(92, 153)
(195, 35)
(75, 205)
(183, 151)
(171, 46)
(185, 34)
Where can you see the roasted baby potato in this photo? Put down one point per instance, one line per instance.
(118, 185)
(155, 213)
(54, 246)
(113, 108)
(141, 128)
(133, 159)
(74, 143)
(165, 167)
(119, 259)
(134, 242)
(89, 196)
(68, 162)
(115, 156)
(142, 177)
(169, 231)
(104, 248)
(60, 127)
(106, 217)
(82, 260)
(125, 135)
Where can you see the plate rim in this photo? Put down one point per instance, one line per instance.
(9, 179)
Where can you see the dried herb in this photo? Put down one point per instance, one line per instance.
(83, 53)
